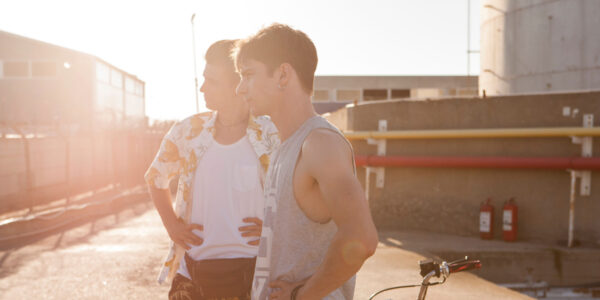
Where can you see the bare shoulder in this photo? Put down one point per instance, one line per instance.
(325, 146)
(325, 137)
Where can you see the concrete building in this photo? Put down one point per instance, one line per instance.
(533, 46)
(447, 198)
(44, 85)
(334, 92)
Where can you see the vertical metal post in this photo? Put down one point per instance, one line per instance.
(586, 151)
(381, 151)
(195, 71)
(28, 179)
(68, 168)
(29, 184)
(94, 137)
(367, 182)
(379, 171)
(362, 95)
(572, 208)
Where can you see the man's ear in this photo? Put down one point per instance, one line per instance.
(285, 72)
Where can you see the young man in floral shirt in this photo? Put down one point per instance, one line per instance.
(220, 157)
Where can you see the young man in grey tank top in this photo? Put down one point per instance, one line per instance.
(318, 229)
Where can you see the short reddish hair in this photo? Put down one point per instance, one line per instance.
(278, 44)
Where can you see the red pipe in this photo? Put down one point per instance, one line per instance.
(576, 163)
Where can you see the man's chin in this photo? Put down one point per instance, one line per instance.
(209, 106)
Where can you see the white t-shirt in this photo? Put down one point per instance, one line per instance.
(226, 190)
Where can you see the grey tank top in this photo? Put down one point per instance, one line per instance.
(292, 246)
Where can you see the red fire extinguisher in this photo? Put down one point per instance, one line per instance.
(486, 220)
(509, 221)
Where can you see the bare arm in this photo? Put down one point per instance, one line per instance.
(165, 166)
(178, 231)
(328, 159)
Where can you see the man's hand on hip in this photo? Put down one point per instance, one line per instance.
(252, 230)
(182, 234)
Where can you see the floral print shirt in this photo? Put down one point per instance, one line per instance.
(181, 150)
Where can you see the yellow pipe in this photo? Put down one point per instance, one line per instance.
(476, 133)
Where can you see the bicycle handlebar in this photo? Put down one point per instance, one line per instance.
(464, 266)
(430, 268)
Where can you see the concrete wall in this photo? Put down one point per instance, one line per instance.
(539, 46)
(447, 200)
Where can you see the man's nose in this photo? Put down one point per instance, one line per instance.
(202, 88)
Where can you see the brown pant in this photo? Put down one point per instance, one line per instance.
(183, 289)
(215, 279)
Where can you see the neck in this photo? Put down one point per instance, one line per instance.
(232, 116)
(292, 114)
(231, 124)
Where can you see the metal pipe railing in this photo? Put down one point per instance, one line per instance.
(571, 163)
(575, 163)
(476, 133)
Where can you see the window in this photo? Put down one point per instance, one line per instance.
(398, 94)
(116, 78)
(374, 95)
(449, 92)
(16, 69)
(102, 72)
(468, 92)
(348, 95)
(139, 89)
(321, 95)
(129, 85)
(427, 93)
(43, 69)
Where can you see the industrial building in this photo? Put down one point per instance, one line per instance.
(539, 46)
(70, 122)
(334, 92)
(540, 73)
(43, 86)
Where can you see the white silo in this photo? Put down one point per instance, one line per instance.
(539, 46)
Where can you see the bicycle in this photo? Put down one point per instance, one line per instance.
(429, 269)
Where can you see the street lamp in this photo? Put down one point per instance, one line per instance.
(195, 72)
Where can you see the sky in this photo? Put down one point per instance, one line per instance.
(153, 39)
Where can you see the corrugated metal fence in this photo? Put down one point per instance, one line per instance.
(38, 170)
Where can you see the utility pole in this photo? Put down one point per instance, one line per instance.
(468, 37)
(195, 71)
(469, 51)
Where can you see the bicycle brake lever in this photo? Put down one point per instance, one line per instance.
(459, 260)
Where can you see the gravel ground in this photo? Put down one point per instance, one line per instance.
(115, 257)
(118, 257)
